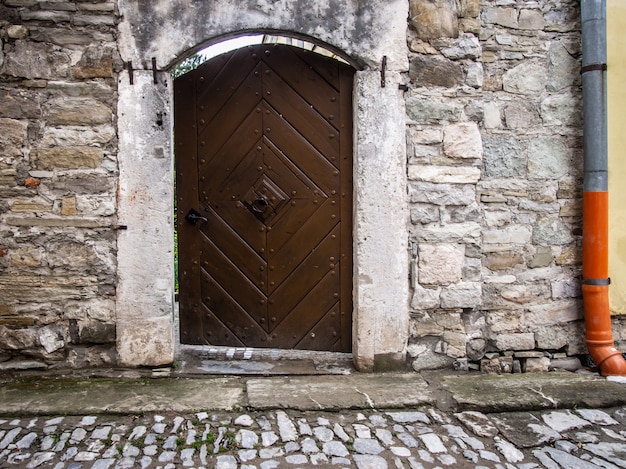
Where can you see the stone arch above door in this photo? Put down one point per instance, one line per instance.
(366, 31)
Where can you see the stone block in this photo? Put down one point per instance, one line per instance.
(17, 31)
(442, 194)
(511, 234)
(444, 174)
(12, 139)
(435, 71)
(476, 348)
(68, 206)
(553, 313)
(19, 104)
(45, 15)
(503, 321)
(18, 339)
(424, 214)
(565, 364)
(35, 60)
(78, 111)
(562, 109)
(463, 141)
(542, 258)
(454, 344)
(440, 264)
(96, 62)
(26, 257)
(434, 19)
(31, 206)
(571, 208)
(431, 360)
(528, 78)
(474, 75)
(506, 17)
(490, 365)
(469, 9)
(467, 233)
(530, 20)
(519, 341)
(51, 338)
(502, 260)
(537, 365)
(83, 183)
(425, 298)
(491, 116)
(427, 136)
(551, 232)
(462, 295)
(68, 157)
(504, 157)
(563, 68)
(58, 222)
(467, 47)
(568, 288)
(525, 293)
(95, 332)
(421, 108)
(571, 255)
(95, 135)
(470, 25)
(495, 218)
(521, 115)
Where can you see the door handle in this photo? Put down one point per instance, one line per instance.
(194, 217)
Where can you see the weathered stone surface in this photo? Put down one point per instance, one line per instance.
(502, 260)
(556, 312)
(442, 194)
(563, 68)
(444, 174)
(462, 295)
(17, 31)
(77, 135)
(19, 104)
(504, 156)
(12, 139)
(530, 19)
(435, 71)
(492, 118)
(96, 62)
(467, 47)
(521, 115)
(421, 108)
(425, 298)
(434, 19)
(35, 60)
(561, 109)
(548, 157)
(506, 17)
(512, 234)
(542, 258)
(451, 233)
(78, 111)
(440, 264)
(463, 141)
(528, 78)
(68, 157)
(550, 231)
(474, 76)
(520, 341)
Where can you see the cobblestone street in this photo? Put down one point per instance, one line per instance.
(421, 438)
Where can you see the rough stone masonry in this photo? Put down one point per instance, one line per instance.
(494, 147)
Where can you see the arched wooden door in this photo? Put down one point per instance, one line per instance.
(263, 148)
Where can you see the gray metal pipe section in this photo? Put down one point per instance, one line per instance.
(593, 14)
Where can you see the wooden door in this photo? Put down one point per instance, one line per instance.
(263, 147)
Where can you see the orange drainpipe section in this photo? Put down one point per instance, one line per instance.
(599, 336)
(595, 193)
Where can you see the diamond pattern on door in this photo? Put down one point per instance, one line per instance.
(263, 144)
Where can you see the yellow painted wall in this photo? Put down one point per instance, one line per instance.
(616, 37)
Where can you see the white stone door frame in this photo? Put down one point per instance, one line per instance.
(145, 295)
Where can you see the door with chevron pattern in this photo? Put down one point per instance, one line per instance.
(263, 148)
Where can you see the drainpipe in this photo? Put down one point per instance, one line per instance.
(596, 280)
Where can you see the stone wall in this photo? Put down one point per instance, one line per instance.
(494, 155)
(495, 169)
(58, 173)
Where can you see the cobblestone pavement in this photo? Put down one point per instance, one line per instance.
(424, 438)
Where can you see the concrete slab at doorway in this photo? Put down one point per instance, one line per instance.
(532, 391)
(119, 396)
(376, 391)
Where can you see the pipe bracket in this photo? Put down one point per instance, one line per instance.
(597, 281)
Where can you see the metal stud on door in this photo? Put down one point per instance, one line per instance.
(263, 150)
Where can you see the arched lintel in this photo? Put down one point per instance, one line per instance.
(355, 62)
